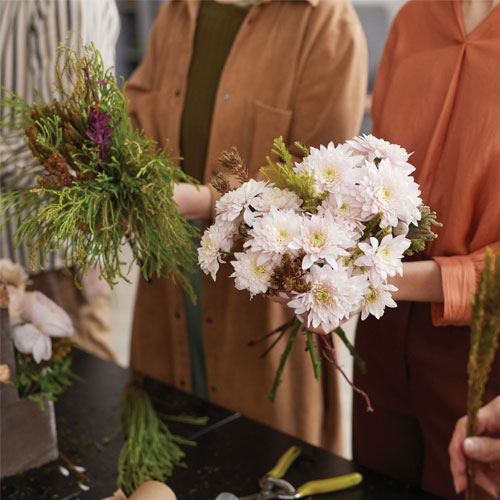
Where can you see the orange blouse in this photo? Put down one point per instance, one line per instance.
(438, 94)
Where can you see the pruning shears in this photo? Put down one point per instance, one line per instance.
(272, 484)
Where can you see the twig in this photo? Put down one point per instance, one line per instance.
(335, 362)
(71, 466)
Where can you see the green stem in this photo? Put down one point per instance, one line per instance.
(284, 357)
(357, 359)
(311, 347)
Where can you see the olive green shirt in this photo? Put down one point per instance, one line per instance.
(216, 28)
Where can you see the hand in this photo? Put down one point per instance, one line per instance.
(303, 317)
(484, 449)
(194, 201)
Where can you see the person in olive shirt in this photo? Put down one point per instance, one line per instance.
(223, 74)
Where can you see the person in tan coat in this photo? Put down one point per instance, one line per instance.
(223, 74)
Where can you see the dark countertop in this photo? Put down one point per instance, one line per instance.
(231, 454)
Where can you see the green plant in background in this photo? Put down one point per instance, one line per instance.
(45, 381)
(99, 179)
(485, 329)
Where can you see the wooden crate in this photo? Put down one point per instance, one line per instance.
(28, 437)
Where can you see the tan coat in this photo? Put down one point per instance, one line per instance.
(296, 69)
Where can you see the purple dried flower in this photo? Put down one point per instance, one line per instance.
(99, 131)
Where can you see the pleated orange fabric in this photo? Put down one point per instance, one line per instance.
(438, 95)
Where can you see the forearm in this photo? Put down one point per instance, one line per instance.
(421, 282)
(194, 201)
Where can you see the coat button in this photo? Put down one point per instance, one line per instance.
(214, 173)
(226, 97)
(210, 321)
(177, 93)
(177, 315)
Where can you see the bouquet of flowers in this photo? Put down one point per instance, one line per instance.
(99, 179)
(325, 233)
(41, 333)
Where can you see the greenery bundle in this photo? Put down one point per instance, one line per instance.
(150, 451)
(485, 329)
(99, 179)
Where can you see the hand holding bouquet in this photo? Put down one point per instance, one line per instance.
(325, 234)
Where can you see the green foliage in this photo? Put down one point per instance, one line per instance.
(94, 196)
(485, 329)
(422, 233)
(150, 451)
(43, 383)
(284, 177)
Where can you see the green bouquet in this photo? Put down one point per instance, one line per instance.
(99, 181)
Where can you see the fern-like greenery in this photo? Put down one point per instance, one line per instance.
(282, 175)
(100, 182)
(485, 329)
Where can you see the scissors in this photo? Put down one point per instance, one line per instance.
(272, 484)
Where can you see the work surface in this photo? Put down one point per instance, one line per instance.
(231, 454)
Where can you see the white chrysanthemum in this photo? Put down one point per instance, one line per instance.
(386, 189)
(272, 234)
(383, 259)
(280, 199)
(371, 147)
(322, 238)
(331, 168)
(345, 208)
(334, 296)
(249, 275)
(219, 236)
(376, 300)
(232, 204)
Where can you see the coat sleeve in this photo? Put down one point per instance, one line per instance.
(459, 276)
(331, 87)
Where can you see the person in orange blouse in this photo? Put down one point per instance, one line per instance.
(437, 94)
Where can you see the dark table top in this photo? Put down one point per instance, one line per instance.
(232, 451)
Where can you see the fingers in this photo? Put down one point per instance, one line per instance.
(489, 483)
(457, 458)
(483, 449)
(488, 418)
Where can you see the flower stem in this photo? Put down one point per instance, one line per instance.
(284, 357)
(311, 347)
(357, 359)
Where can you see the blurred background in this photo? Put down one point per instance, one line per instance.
(137, 17)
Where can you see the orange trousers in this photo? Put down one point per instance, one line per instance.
(416, 379)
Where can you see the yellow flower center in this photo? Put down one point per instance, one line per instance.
(317, 239)
(259, 270)
(330, 175)
(321, 294)
(372, 296)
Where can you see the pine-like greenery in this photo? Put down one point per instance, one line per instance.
(150, 451)
(282, 175)
(485, 329)
(101, 181)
